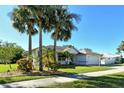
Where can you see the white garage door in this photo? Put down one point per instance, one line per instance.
(93, 60)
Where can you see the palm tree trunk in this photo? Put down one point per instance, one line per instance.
(30, 44)
(40, 48)
(10, 66)
(30, 47)
(55, 43)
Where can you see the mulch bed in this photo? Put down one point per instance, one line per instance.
(11, 73)
(46, 73)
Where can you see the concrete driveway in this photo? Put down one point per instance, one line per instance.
(117, 67)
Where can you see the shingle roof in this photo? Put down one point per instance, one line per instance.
(58, 48)
(88, 51)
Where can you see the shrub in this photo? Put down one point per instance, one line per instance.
(54, 66)
(51, 66)
(66, 66)
(24, 65)
(119, 60)
(71, 63)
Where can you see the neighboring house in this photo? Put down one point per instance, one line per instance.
(109, 58)
(87, 57)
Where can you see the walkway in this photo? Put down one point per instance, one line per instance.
(56, 80)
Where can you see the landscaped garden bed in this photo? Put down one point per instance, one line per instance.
(4, 69)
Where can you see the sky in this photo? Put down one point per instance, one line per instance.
(101, 29)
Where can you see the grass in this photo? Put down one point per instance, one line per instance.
(5, 67)
(77, 69)
(4, 80)
(108, 81)
(115, 80)
(84, 69)
(118, 64)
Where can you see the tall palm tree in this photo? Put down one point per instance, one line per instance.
(63, 26)
(24, 23)
(42, 15)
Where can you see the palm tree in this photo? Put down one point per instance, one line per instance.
(42, 14)
(63, 26)
(24, 23)
(48, 57)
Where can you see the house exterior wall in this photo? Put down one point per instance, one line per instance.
(87, 59)
(93, 59)
(35, 57)
(80, 59)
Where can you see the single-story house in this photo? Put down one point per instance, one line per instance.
(80, 57)
(60, 58)
(108, 58)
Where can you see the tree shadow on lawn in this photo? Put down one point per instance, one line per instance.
(4, 80)
(10, 86)
(67, 66)
(115, 81)
(110, 81)
(74, 66)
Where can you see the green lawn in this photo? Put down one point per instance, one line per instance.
(118, 64)
(77, 69)
(84, 69)
(5, 67)
(108, 81)
(4, 80)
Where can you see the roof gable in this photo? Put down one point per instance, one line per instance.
(71, 50)
(88, 52)
(68, 48)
